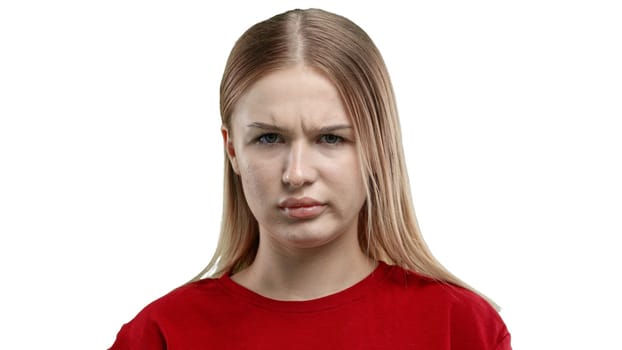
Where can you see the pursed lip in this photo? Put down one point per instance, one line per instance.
(292, 203)
(302, 208)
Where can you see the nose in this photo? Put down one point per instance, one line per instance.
(299, 168)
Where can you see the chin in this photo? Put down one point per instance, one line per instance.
(305, 240)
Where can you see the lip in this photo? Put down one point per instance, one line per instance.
(302, 208)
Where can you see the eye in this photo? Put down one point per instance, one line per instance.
(331, 139)
(269, 138)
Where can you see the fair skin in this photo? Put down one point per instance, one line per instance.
(293, 146)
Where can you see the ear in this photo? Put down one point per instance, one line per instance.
(229, 149)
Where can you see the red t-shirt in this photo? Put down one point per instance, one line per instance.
(389, 309)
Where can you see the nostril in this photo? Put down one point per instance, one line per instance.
(293, 180)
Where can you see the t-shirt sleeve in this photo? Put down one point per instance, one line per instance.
(140, 333)
(504, 344)
(476, 325)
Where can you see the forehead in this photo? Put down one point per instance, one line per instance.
(295, 94)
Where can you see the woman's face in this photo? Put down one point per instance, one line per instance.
(293, 146)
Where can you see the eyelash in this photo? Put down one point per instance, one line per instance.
(338, 139)
(262, 139)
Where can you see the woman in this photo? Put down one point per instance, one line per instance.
(319, 245)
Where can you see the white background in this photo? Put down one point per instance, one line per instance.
(111, 159)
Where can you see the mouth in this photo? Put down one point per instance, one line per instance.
(302, 208)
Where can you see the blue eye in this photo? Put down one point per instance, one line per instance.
(269, 138)
(331, 139)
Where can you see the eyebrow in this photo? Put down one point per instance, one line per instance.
(325, 129)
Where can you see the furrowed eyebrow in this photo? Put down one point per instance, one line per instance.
(332, 128)
(270, 127)
(265, 126)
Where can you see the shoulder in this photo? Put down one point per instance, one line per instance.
(181, 300)
(468, 319)
(151, 327)
(186, 297)
(443, 295)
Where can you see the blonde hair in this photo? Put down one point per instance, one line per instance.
(337, 47)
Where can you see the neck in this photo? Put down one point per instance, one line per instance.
(305, 273)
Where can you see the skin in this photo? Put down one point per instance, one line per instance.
(290, 137)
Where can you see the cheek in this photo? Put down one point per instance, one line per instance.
(347, 180)
(356, 190)
(257, 181)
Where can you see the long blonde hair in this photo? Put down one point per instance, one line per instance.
(337, 47)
